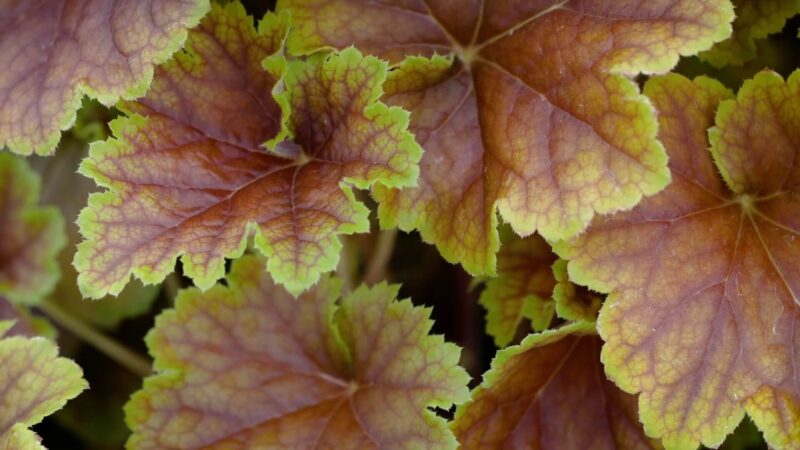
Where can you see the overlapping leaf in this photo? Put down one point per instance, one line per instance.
(531, 284)
(522, 289)
(187, 174)
(30, 236)
(574, 302)
(705, 278)
(249, 366)
(550, 392)
(23, 322)
(64, 187)
(755, 19)
(531, 115)
(34, 382)
(54, 51)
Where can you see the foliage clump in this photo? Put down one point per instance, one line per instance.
(598, 203)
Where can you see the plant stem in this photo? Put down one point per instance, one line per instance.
(379, 261)
(348, 263)
(106, 345)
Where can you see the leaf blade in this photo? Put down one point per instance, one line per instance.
(309, 373)
(96, 49)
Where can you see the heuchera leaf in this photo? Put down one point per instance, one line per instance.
(54, 51)
(187, 174)
(522, 289)
(249, 366)
(755, 19)
(24, 323)
(531, 115)
(574, 302)
(34, 382)
(705, 277)
(57, 172)
(30, 236)
(550, 392)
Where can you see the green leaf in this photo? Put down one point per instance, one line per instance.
(249, 366)
(34, 382)
(30, 236)
(755, 19)
(522, 289)
(574, 302)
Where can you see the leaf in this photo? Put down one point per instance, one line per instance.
(187, 175)
(24, 323)
(30, 236)
(57, 173)
(532, 284)
(755, 19)
(550, 392)
(250, 366)
(704, 277)
(573, 302)
(35, 382)
(531, 114)
(522, 289)
(55, 51)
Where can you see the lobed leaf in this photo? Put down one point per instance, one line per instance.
(704, 277)
(250, 366)
(58, 172)
(187, 175)
(34, 382)
(531, 114)
(755, 19)
(55, 51)
(550, 392)
(30, 236)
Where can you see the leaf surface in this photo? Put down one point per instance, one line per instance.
(249, 366)
(550, 392)
(523, 289)
(531, 114)
(574, 302)
(755, 19)
(704, 278)
(24, 323)
(54, 51)
(57, 172)
(35, 382)
(187, 174)
(30, 236)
